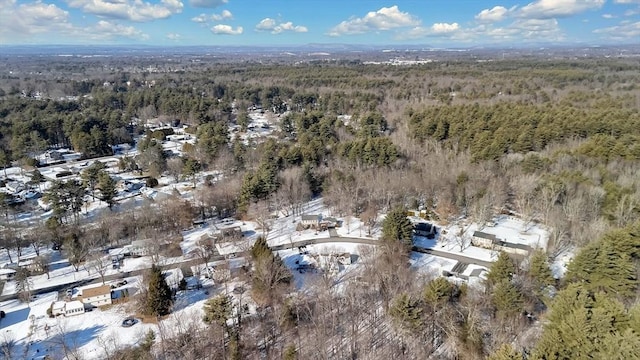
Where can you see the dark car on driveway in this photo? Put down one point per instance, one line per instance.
(129, 322)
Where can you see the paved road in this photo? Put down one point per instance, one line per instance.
(291, 245)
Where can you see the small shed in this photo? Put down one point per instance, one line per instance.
(7, 274)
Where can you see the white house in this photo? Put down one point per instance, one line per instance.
(57, 308)
(67, 308)
(311, 220)
(97, 296)
(483, 240)
(75, 307)
(139, 248)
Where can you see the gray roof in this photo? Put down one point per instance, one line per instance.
(311, 217)
(483, 235)
(515, 246)
(476, 272)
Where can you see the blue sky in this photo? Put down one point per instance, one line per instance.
(451, 23)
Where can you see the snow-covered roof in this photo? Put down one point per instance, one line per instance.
(7, 271)
(59, 305)
(74, 304)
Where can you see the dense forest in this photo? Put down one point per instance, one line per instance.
(552, 141)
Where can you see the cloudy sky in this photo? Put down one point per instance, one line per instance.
(290, 22)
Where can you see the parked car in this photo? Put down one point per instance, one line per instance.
(129, 322)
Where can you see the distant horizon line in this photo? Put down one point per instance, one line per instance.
(354, 45)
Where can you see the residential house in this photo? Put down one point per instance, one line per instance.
(75, 307)
(57, 308)
(14, 186)
(139, 247)
(424, 229)
(232, 232)
(513, 248)
(97, 296)
(331, 222)
(490, 241)
(483, 240)
(311, 220)
(67, 308)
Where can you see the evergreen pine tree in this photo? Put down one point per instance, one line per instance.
(579, 323)
(506, 298)
(502, 269)
(290, 353)
(625, 345)
(269, 271)
(634, 314)
(217, 310)
(158, 299)
(506, 352)
(539, 270)
(397, 227)
(407, 311)
(260, 249)
(599, 266)
(438, 292)
(107, 188)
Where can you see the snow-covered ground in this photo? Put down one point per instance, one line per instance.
(89, 334)
(431, 265)
(456, 238)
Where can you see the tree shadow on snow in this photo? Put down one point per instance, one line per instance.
(78, 338)
(14, 317)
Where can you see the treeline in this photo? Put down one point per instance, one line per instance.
(490, 131)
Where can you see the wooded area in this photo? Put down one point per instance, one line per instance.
(554, 142)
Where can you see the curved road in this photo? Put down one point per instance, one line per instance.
(291, 245)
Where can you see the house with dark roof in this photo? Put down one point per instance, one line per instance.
(424, 229)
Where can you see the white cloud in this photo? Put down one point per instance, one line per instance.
(207, 3)
(271, 25)
(221, 29)
(174, 36)
(204, 18)
(627, 1)
(134, 10)
(443, 28)
(624, 32)
(24, 20)
(224, 15)
(609, 16)
(438, 30)
(547, 9)
(386, 18)
(538, 29)
(520, 30)
(39, 22)
(105, 30)
(497, 13)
